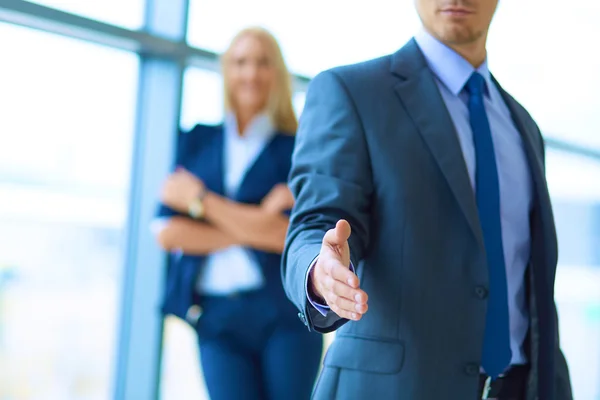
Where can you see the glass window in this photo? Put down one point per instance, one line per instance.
(125, 13)
(202, 98)
(65, 146)
(212, 24)
(525, 61)
(536, 65)
(298, 102)
(181, 374)
(576, 203)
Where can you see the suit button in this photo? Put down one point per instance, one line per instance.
(303, 318)
(472, 369)
(481, 292)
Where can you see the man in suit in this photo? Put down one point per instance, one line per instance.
(419, 184)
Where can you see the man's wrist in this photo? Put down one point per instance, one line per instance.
(312, 290)
(318, 304)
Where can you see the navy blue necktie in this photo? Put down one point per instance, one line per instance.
(496, 343)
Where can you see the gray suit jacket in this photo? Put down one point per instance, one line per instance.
(376, 146)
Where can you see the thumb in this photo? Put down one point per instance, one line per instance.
(339, 235)
(342, 232)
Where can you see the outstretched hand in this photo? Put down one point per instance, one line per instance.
(332, 280)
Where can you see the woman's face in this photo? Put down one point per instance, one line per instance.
(251, 75)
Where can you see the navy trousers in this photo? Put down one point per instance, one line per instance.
(254, 348)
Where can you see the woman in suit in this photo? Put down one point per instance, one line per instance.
(225, 212)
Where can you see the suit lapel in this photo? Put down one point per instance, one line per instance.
(529, 133)
(544, 253)
(420, 96)
(260, 176)
(207, 162)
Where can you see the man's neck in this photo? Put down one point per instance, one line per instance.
(474, 53)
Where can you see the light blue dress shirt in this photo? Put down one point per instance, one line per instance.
(516, 191)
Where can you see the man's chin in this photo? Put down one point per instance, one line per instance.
(459, 36)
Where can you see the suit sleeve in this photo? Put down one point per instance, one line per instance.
(331, 179)
(167, 212)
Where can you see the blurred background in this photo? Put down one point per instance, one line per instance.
(91, 95)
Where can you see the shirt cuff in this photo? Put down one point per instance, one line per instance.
(323, 309)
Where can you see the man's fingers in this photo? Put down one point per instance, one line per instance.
(358, 296)
(339, 235)
(346, 301)
(344, 304)
(341, 273)
(334, 280)
(341, 289)
(355, 316)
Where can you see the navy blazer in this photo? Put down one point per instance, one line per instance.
(201, 152)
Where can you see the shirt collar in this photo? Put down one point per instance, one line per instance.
(260, 128)
(449, 66)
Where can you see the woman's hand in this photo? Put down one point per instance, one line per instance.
(279, 199)
(180, 189)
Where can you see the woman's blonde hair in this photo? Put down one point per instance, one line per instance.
(279, 105)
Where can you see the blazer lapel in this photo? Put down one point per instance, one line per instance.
(420, 96)
(544, 249)
(261, 176)
(528, 132)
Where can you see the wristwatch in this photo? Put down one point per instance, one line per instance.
(196, 207)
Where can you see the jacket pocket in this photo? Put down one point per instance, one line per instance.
(365, 354)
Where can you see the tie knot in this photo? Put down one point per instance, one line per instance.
(476, 84)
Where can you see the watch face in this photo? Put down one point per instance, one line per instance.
(193, 314)
(195, 209)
